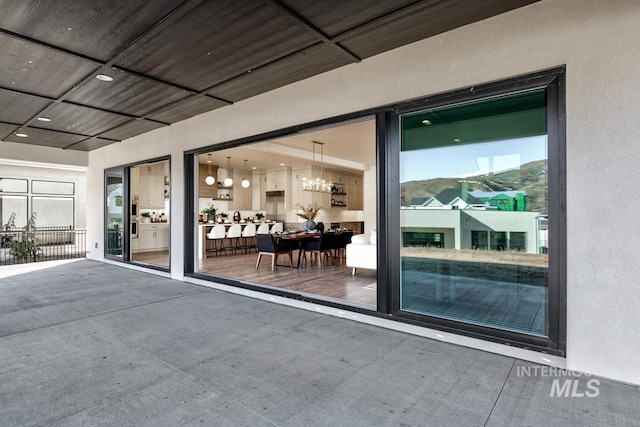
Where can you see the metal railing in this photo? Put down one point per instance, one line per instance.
(44, 244)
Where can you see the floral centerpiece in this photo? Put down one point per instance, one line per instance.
(309, 213)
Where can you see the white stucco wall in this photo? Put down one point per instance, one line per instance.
(598, 42)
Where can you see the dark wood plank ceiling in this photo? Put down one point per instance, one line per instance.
(171, 60)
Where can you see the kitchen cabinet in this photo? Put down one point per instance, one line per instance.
(150, 191)
(241, 196)
(133, 187)
(276, 180)
(153, 237)
(205, 190)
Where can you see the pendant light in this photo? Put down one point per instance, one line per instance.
(210, 179)
(318, 184)
(228, 181)
(245, 182)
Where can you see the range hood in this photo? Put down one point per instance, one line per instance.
(279, 193)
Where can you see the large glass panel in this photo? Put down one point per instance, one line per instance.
(11, 185)
(10, 205)
(115, 212)
(474, 212)
(53, 211)
(52, 187)
(258, 190)
(150, 213)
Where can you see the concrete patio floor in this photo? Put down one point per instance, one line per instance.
(87, 343)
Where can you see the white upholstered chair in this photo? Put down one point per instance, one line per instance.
(249, 237)
(233, 237)
(263, 228)
(217, 235)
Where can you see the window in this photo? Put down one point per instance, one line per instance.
(50, 209)
(482, 172)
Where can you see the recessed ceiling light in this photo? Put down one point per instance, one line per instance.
(426, 122)
(456, 139)
(281, 164)
(104, 78)
(22, 135)
(254, 168)
(44, 119)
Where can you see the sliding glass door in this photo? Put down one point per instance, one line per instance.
(114, 212)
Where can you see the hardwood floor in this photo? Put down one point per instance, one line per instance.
(332, 282)
(160, 258)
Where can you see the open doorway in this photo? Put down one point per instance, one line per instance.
(150, 213)
(266, 186)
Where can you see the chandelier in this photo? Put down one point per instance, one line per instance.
(318, 183)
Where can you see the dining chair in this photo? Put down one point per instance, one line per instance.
(217, 235)
(267, 245)
(319, 248)
(344, 239)
(278, 227)
(263, 228)
(233, 238)
(249, 237)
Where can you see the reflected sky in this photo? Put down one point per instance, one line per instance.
(459, 161)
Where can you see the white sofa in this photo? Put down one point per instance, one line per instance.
(361, 252)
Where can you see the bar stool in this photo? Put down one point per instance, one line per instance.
(233, 236)
(217, 235)
(249, 237)
(263, 228)
(278, 227)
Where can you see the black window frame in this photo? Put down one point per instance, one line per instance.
(553, 80)
(126, 220)
(388, 209)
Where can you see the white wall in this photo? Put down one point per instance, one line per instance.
(597, 40)
(10, 168)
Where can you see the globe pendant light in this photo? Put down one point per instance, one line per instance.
(228, 181)
(210, 179)
(245, 182)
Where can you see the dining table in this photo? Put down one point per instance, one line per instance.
(298, 236)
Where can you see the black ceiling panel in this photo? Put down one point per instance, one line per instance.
(81, 120)
(422, 22)
(216, 41)
(46, 137)
(163, 54)
(16, 107)
(39, 70)
(131, 129)
(90, 144)
(312, 61)
(128, 93)
(333, 17)
(6, 129)
(97, 29)
(188, 108)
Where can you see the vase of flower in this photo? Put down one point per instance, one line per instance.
(309, 214)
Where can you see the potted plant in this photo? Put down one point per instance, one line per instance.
(146, 217)
(259, 216)
(26, 247)
(224, 216)
(210, 213)
(7, 236)
(308, 213)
